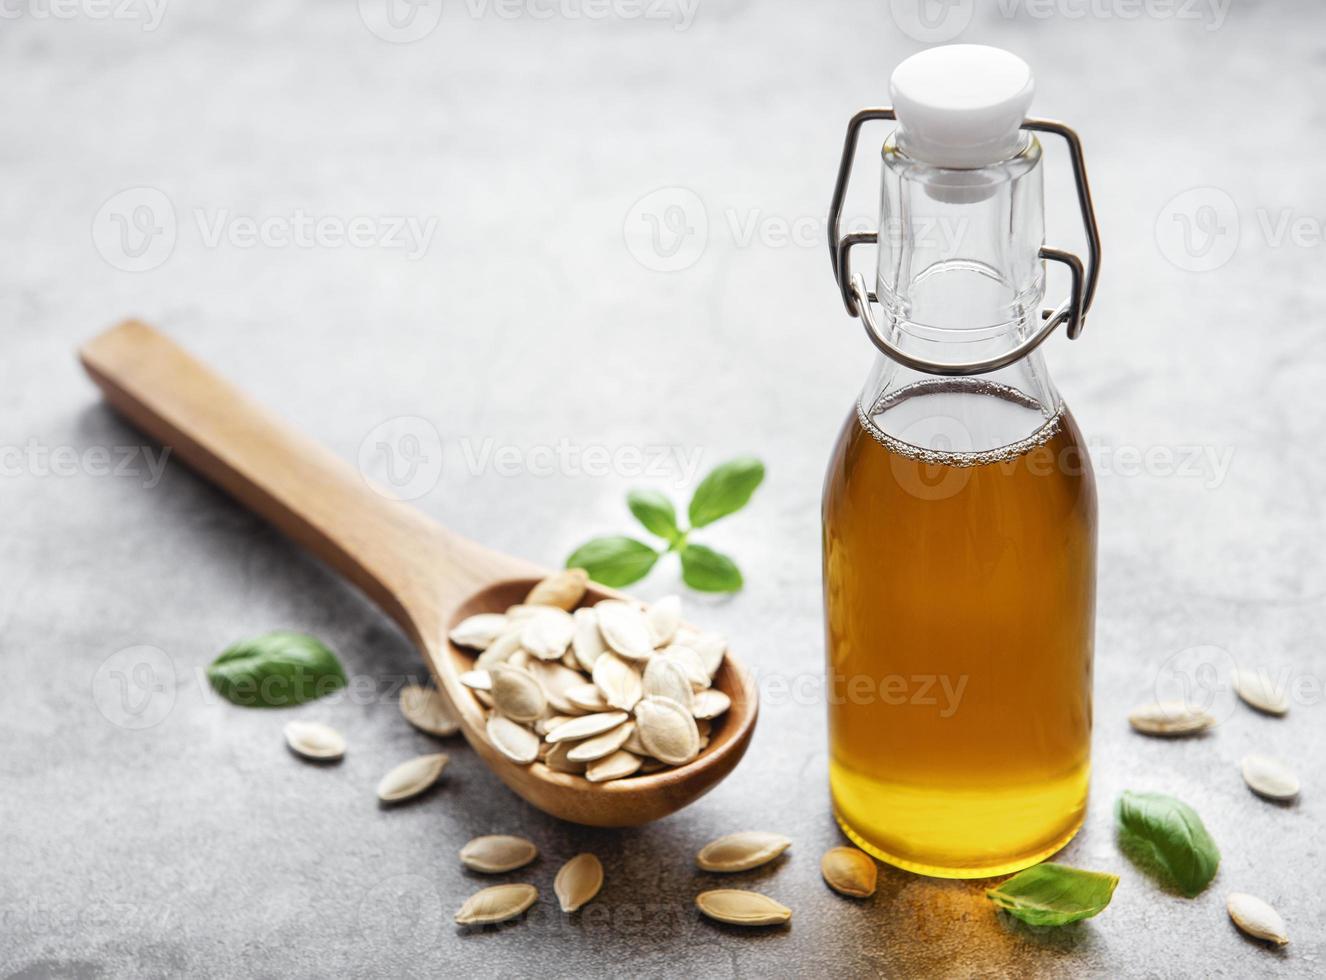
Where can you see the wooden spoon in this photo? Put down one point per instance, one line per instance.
(423, 576)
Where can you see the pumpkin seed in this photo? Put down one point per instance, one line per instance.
(710, 703)
(616, 766)
(586, 726)
(495, 854)
(477, 680)
(741, 851)
(667, 730)
(522, 612)
(314, 740)
(1257, 689)
(742, 908)
(557, 760)
(711, 647)
(667, 678)
(562, 589)
(663, 618)
(514, 741)
(633, 743)
(601, 745)
(478, 632)
(588, 697)
(690, 662)
(1169, 718)
(849, 871)
(1256, 918)
(548, 722)
(496, 904)
(587, 642)
(625, 629)
(427, 710)
(547, 633)
(517, 694)
(503, 648)
(578, 881)
(1269, 777)
(411, 778)
(618, 680)
(556, 680)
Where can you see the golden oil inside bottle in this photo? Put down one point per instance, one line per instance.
(960, 593)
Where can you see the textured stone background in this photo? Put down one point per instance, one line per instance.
(198, 846)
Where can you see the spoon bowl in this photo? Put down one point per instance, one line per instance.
(422, 575)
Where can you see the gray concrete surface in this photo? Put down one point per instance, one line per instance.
(147, 829)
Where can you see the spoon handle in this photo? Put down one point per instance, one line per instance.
(401, 559)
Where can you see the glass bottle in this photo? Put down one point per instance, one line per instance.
(959, 512)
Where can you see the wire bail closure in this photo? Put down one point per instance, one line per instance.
(857, 297)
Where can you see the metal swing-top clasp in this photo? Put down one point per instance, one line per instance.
(857, 297)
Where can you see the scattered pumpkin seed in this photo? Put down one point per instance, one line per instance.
(742, 908)
(314, 740)
(1269, 777)
(1256, 918)
(849, 871)
(578, 881)
(1257, 689)
(496, 854)
(741, 851)
(496, 904)
(1169, 718)
(427, 710)
(411, 778)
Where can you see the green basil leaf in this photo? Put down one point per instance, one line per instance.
(1160, 832)
(1053, 894)
(275, 670)
(706, 570)
(614, 561)
(727, 488)
(655, 511)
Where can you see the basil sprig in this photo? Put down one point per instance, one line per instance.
(1166, 835)
(1054, 894)
(276, 670)
(619, 560)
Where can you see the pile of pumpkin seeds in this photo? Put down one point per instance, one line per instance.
(604, 692)
(1269, 778)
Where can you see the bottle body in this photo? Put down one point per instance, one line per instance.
(959, 524)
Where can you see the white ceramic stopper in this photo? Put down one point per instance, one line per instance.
(961, 105)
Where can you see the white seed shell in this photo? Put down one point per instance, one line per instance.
(411, 778)
(625, 629)
(849, 871)
(517, 694)
(1269, 777)
(314, 740)
(1258, 689)
(586, 726)
(619, 681)
(497, 904)
(562, 589)
(427, 710)
(479, 632)
(547, 634)
(741, 851)
(495, 854)
(1256, 918)
(477, 680)
(616, 766)
(514, 741)
(663, 618)
(1169, 718)
(503, 648)
(710, 703)
(578, 881)
(742, 908)
(587, 642)
(601, 746)
(667, 730)
(666, 678)
(690, 662)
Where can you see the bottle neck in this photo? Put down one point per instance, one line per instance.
(960, 279)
